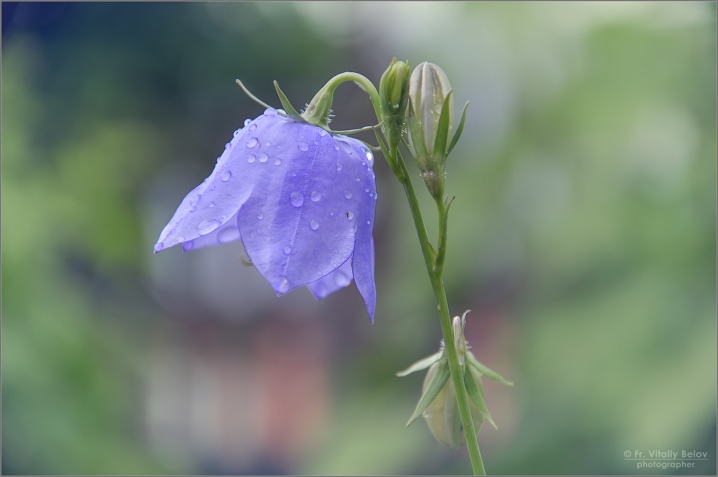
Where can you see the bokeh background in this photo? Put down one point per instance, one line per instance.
(583, 238)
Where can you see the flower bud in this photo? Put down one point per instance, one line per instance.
(394, 93)
(430, 121)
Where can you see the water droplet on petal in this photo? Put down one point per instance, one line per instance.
(211, 204)
(207, 226)
(336, 147)
(366, 189)
(322, 132)
(371, 194)
(368, 222)
(339, 166)
(303, 145)
(277, 162)
(296, 198)
(251, 158)
(316, 196)
(313, 224)
(347, 195)
(287, 250)
(228, 235)
(228, 145)
(192, 208)
(236, 133)
(284, 286)
(187, 246)
(252, 127)
(350, 215)
(260, 216)
(263, 157)
(370, 157)
(270, 112)
(195, 199)
(247, 121)
(252, 141)
(224, 177)
(340, 279)
(268, 143)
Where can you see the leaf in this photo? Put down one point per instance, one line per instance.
(435, 385)
(459, 130)
(486, 371)
(475, 389)
(442, 129)
(421, 364)
(285, 102)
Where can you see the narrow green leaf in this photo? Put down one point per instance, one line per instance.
(489, 373)
(435, 386)
(459, 130)
(475, 389)
(285, 102)
(442, 128)
(421, 364)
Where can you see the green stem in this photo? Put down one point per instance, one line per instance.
(435, 270)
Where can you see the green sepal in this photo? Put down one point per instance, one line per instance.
(288, 108)
(418, 146)
(459, 130)
(451, 411)
(436, 384)
(472, 380)
(421, 364)
(442, 129)
(489, 373)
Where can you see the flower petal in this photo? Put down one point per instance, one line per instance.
(200, 219)
(308, 223)
(336, 280)
(363, 257)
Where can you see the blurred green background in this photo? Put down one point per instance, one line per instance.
(583, 237)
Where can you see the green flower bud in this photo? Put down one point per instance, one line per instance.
(437, 404)
(394, 93)
(430, 123)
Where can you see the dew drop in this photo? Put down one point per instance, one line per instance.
(260, 216)
(358, 180)
(347, 195)
(316, 196)
(251, 158)
(193, 201)
(268, 143)
(207, 226)
(225, 176)
(313, 224)
(192, 208)
(368, 222)
(371, 194)
(340, 279)
(287, 250)
(187, 246)
(252, 127)
(303, 145)
(336, 147)
(228, 235)
(228, 145)
(277, 162)
(296, 198)
(350, 215)
(339, 166)
(211, 204)
(247, 121)
(366, 190)
(251, 142)
(322, 132)
(270, 112)
(370, 157)
(236, 133)
(263, 157)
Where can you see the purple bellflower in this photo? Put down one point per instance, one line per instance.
(300, 199)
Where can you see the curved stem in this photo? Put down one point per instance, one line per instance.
(435, 271)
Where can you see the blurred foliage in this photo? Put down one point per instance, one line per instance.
(582, 235)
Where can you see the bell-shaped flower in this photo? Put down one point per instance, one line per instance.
(300, 199)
